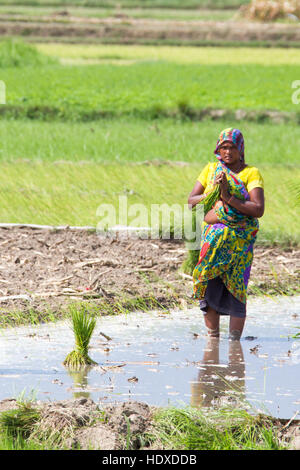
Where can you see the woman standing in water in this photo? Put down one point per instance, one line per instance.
(229, 232)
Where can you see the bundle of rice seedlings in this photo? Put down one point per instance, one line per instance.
(211, 198)
(208, 201)
(83, 327)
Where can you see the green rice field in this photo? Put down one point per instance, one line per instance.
(176, 4)
(64, 193)
(146, 89)
(76, 135)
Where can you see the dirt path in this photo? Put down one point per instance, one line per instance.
(44, 269)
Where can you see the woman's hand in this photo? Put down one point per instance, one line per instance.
(224, 186)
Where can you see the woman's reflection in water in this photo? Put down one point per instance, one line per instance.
(219, 384)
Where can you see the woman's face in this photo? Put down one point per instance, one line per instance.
(229, 153)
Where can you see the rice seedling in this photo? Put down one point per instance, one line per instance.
(193, 255)
(296, 335)
(135, 140)
(190, 262)
(83, 327)
(211, 198)
(44, 194)
(75, 93)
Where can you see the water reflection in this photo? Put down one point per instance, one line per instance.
(30, 358)
(219, 383)
(80, 379)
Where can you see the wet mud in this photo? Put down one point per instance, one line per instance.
(45, 270)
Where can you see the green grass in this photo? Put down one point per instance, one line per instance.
(17, 12)
(40, 14)
(171, 429)
(136, 140)
(179, 55)
(131, 3)
(225, 429)
(145, 89)
(47, 193)
(16, 53)
(124, 304)
(144, 81)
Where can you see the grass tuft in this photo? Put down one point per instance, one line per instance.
(16, 53)
(224, 429)
(19, 423)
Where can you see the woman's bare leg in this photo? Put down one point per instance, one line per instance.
(212, 322)
(236, 326)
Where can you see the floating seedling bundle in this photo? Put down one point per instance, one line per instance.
(83, 326)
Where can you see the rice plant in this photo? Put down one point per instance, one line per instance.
(83, 327)
(294, 191)
(208, 201)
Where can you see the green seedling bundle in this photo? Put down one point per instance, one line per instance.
(83, 327)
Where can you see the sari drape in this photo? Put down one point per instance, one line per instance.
(226, 248)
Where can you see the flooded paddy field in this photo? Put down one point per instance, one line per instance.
(164, 358)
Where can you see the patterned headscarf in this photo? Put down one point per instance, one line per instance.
(232, 135)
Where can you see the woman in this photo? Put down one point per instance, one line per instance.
(228, 233)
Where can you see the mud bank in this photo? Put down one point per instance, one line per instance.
(83, 424)
(130, 30)
(44, 270)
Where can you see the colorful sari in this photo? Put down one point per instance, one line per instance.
(226, 248)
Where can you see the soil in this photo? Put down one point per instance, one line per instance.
(82, 422)
(46, 269)
(86, 425)
(130, 30)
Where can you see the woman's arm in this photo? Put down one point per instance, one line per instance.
(253, 208)
(196, 195)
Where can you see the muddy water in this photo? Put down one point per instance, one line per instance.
(164, 359)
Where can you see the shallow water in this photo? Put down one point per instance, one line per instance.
(164, 359)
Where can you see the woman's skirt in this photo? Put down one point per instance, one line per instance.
(220, 299)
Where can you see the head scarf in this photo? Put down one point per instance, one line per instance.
(231, 135)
